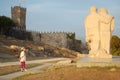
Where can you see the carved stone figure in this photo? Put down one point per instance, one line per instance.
(106, 30)
(94, 26)
(92, 31)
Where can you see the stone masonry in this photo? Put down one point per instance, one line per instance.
(18, 15)
(56, 39)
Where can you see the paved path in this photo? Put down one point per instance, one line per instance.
(88, 59)
(33, 61)
(47, 62)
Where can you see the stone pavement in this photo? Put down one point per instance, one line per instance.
(88, 59)
(100, 62)
(46, 63)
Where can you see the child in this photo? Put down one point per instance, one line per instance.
(23, 59)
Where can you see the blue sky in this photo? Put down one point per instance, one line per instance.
(61, 15)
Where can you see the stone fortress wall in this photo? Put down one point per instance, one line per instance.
(56, 39)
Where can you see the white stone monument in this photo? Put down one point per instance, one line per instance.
(99, 27)
(106, 30)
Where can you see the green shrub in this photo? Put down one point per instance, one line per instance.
(115, 46)
(71, 36)
(116, 52)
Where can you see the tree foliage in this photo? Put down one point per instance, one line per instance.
(115, 45)
(6, 24)
(71, 36)
(115, 42)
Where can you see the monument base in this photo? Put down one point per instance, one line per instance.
(99, 54)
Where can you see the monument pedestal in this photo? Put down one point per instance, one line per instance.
(99, 54)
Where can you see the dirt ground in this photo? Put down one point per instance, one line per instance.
(73, 73)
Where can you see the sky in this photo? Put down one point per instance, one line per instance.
(61, 15)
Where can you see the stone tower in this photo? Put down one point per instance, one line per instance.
(19, 17)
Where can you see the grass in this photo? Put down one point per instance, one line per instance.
(102, 68)
(2, 60)
(24, 76)
(14, 68)
(73, 73)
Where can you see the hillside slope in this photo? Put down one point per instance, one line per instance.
(10, 47)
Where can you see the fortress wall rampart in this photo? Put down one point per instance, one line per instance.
(56, 39)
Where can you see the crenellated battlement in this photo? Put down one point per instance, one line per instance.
(57, 39)
(19, 7)
(52, 32)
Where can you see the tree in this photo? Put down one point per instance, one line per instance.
(115, 42)
(115, 45)
(6, 24)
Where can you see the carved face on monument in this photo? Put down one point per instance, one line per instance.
(93, 9)
(103, 10)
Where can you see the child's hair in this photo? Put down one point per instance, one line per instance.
(22, 48)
